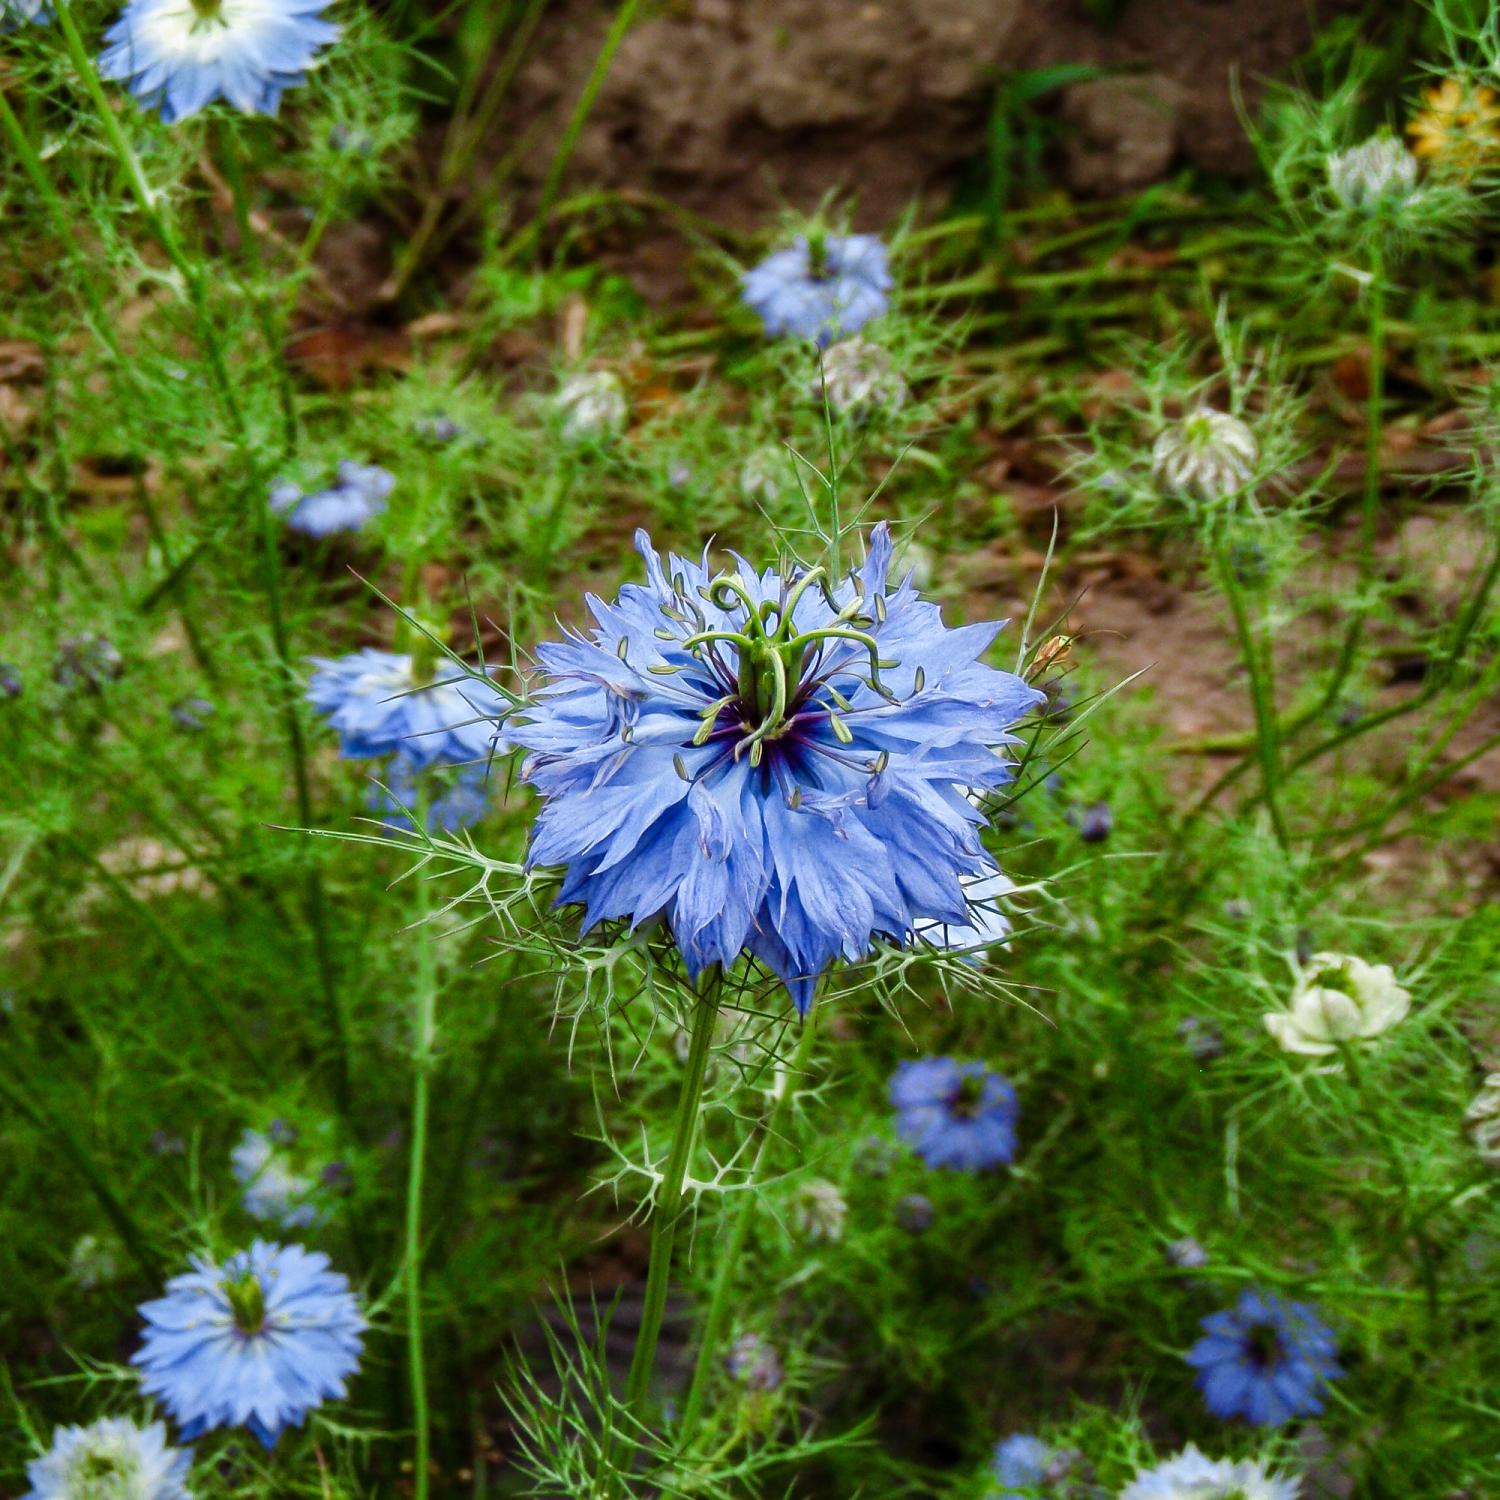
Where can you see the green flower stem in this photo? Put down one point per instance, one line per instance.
(424, 1036)
(1257, 659)
(669, 1207)
(564, 154)
(193, 274)
(712, 1331)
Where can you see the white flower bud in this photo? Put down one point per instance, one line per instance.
(859, 378)
(1207, 456)
(819, 1211)
(593, 406)
(1338, 999)
(1379, 171)
(767, 475)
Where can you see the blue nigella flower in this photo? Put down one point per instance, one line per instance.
(955, 1114)
(1019, 1463)
(180, 55)
(111, 1459)
(12, 14)
(464, 800)
(373, 700)
(1192, 1475)
(822, 291)
(359, 495)
(257, 1342)
(274, 1190)
(771, 762)
(1265, 1359)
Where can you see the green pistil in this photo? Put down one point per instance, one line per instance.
(773, 654)
(247, 1303)
(207, 12)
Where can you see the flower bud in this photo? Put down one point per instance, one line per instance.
(1208, 456)
(1379, 172)
(819, 1211)
(593, 406)
(859, 378)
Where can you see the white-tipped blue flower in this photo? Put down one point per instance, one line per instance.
(359, 494)
(257, 1342)
(273, 1190)
(823, 291)
(111, 1459)
(1194, 1476)
(379, 708)
(180, 55)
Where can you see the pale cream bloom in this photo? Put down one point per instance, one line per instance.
(1338, 999)
(1208, 455)
(819, 1211)
(1483, 1119)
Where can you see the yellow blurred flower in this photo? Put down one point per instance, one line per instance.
(1459, 128)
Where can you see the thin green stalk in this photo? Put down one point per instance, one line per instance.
(711, 1333)
(192, 273)
(1262, 697)
(670, 1204)
(564, 154)
(424, 1035)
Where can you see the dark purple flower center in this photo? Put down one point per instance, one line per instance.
(1263, 1349)
(782, 681)
(964, 1101)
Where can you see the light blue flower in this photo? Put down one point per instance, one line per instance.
(1192, 1475)
(955, 1114)
(1265, 1359)
(1019, 1462)
(180, 55)
(372, 699)
(12, 14)
(823, 291)
(722, 750)
(273, 1190)
(111, 1459)
(359, 494)
(462, 801)
(257, 1342)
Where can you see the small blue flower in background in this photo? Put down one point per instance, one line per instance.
(371, 698)
(773, 763)
(823, 293)
(754, 1362)
(1265, 1359)
(462, 802)
(955, 1114)
(12, 14)
(111, 1459)
(273, 1190)
(359, 495)
(180, 55)
(257, 1342)
(1192, 1475)
(1019, 1463)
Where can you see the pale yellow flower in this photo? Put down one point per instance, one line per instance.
(1459, 127)
(1338, 1000)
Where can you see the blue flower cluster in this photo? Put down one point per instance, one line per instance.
(178, 56)
(1265, 1359)
(256, 1342)
(771, 761)
(359, 494)
(824, 290)
(955, 1114)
